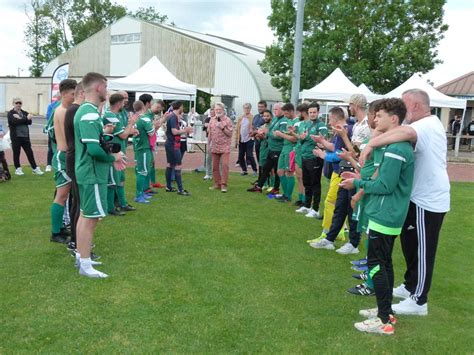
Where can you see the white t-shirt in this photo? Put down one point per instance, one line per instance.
(361, 131)
(245, 130)
(431, 182)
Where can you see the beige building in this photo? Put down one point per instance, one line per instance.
(225, 68)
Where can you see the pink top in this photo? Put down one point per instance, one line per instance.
(220, 135)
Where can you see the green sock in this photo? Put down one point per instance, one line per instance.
(290, 186)
(141, 181)
(283, 184)
(57, 212)
(121, 196)
(110, 199)
(301, 197)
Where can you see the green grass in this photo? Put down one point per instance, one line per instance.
(213, 273)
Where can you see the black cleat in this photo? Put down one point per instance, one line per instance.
(184, 193)
(116, 212)
(362, 290)
(59, 238)
(128, 208)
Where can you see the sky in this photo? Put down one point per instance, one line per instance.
(244, 20)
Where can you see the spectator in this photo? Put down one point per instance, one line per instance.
(220, 136)
(4, 172)
(208, 158)
(456, 128)
(244, 141)
(18, 122)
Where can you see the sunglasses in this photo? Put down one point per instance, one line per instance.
(18, 103)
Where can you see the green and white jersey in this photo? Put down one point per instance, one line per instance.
(113, 118)
(145, 128)
(287, 144)
(123, 117)
(300, 127)
(372, 163)
(315, 127)
(88, 128)
(275, 144)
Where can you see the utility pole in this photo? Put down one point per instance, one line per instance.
(295, 82)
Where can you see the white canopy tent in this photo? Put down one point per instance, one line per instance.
(337, 87)
(437, 99)
(153, 76)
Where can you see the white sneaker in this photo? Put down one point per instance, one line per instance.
(92, 273)
(48, 168)
(37, 171)
(401, 292)
(373, 313)
(19, 171)
(313, 214)
(302, 209)
(207, 177)
(322, 244)
(347, 248)
(410, 307)
(77, 264)
(375, 325)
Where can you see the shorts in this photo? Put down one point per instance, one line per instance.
(284, 161)
(293, 161)
(143, 162)
(61, 178)
(114, 176)
(173, 156)
(93, 200)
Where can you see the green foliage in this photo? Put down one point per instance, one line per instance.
(380, 43)
(149, 14)
(36, 31)
(211, 273)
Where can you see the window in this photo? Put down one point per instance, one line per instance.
(126, 38)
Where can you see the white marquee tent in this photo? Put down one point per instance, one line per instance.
(153, 76)
(336, 87)
(437, 99)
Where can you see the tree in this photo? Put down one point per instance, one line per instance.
(380, 43)
(36, 33)
(149, 14)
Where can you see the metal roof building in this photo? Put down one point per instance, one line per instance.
(225, 68)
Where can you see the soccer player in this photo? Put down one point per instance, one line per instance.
(62, 181)
(151, 178)
(92, 167)
(275, 145)
(143, 155)
(300, 127)
(70, 162)
(387, 209)
(173, 148)
(312, 165)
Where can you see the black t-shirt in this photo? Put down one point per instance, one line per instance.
(69, 135)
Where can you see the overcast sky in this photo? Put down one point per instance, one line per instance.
(244, 20)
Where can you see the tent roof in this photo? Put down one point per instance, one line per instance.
(336, 87)
(153, 76)
(437, 99)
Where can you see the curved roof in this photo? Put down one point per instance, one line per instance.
(248, 54)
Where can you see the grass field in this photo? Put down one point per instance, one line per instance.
(211, 273)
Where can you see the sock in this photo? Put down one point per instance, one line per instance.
(121, 196)
(177, 174)
(290, 186)
(301, 197)
(86, 264)
(283, 184)
(141, 180)
(110, 199)
(168, 177)
(57, 212)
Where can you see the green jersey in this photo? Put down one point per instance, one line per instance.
(88, 128)
(275, 144)
(315, 127)
(372, 163)
(112, 118)
(390, 190)
(288, 145)
(145, 128)
(123, 117)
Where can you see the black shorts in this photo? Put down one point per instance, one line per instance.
(173, 155)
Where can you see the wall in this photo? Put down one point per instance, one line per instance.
(29, 90)
(125, 58)
(189, 60)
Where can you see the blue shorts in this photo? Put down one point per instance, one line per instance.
(173, 156)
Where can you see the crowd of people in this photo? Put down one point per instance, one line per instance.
(386, 169)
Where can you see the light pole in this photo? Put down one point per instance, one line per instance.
(296, 75)
(19, 70)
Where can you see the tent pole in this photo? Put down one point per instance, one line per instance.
(458, 135)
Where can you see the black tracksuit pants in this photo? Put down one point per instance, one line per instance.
(419, 239)
(379, 261)
(25, 143)
(270, 164)
(312, 169)
(342, 210)
(246, 156)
